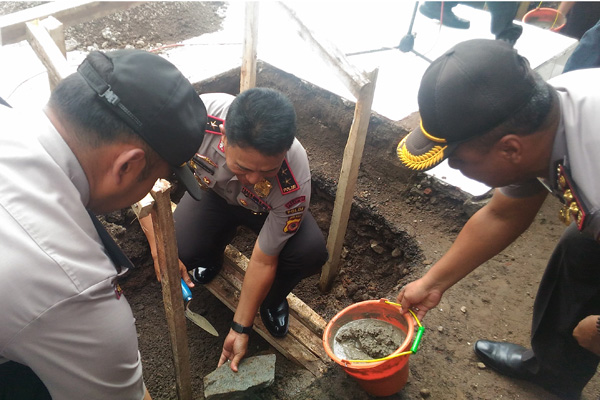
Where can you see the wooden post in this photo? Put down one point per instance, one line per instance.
(347, 182)
(57, 32)
(168, 259)
(353, 78)
(48, 52)
(248, 69)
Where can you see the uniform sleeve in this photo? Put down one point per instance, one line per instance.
(95, 358)
(288, 208)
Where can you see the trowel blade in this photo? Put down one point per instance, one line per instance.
(200, 321)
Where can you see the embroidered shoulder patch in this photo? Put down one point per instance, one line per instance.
(293, 202)
(286, 180)
(293, 223)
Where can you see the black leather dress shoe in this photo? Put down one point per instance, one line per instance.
(505, 358)
(203, 275)
(447, 17)
(276, 319)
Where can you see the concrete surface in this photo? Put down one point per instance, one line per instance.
(353, 26)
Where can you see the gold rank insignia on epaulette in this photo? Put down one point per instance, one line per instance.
(213, 123)
(286, 180)
(573, 208)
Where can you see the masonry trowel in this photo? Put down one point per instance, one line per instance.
(192, 316)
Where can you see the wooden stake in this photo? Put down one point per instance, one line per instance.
(347, 182)
(168, 259)
(48, 52)
(248, 69)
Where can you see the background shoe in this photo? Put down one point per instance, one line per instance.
(276, 319)
(505, 358)
(204, 275)
(448, 18)
(511, 35)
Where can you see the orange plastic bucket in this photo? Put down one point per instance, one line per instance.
(546, 18)
(381, 378)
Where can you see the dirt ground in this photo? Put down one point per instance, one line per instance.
(401, 223)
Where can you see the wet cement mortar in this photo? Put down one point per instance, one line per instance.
(366, 339)
(400, 224)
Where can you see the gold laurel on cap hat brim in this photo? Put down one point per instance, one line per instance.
(420, 162)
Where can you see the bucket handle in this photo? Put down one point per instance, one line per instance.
(413, 349)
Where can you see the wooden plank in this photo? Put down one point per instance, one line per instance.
(48, 53)
(166, 248)
(352, 77)
(347, 182)
(248, 69)
(226, 287)
(12, 26)
(298, 308)
(143, 208)
(57, 32)
(297, 328)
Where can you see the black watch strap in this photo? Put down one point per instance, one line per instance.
(240, 328)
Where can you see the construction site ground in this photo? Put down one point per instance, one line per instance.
(401, 223)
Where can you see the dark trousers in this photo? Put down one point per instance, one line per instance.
(19, 382)
(502, 13)
(204, 228)
(587, 52)
(569, 292)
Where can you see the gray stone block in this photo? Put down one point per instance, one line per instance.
(253, 373)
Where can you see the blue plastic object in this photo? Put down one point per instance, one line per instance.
(187, 293)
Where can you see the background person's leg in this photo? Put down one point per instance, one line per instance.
(18, 381)
(569, 291)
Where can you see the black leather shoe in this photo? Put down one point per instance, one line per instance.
(203, 275)
(505, 358)
(448, 18)
(276, 319)
(511, 35)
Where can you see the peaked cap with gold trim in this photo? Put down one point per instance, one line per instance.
(468, 91)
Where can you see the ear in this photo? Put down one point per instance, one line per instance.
(128, 165)
(510, 147)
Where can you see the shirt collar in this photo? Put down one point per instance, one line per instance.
(64, 157)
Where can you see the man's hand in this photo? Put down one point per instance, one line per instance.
(587, 334)
(234, 349)
(182, 271)
(418, 297)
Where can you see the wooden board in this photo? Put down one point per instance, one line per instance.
(12, 26)
(302, 344)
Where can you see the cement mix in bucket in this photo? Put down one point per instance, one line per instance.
(367, 339)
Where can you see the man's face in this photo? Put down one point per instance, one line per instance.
(133, 191)
(486, 166)
(249, 165)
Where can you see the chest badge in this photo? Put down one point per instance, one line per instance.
(572, 208)
(263, 188)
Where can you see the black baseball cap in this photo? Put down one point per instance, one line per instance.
(471, 89)
(152, 96)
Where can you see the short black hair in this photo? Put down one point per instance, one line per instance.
(93, 123)
(75, 101)
(263, 119)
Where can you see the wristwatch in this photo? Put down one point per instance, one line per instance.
(598, 325)
(240, 328)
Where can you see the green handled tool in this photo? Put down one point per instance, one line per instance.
(192, 316)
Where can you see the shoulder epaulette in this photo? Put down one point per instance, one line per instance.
(285, 178)
(212, 125)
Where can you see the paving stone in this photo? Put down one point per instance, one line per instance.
(253, 373)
